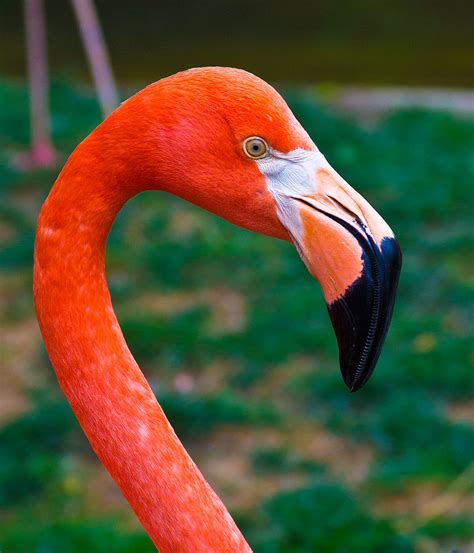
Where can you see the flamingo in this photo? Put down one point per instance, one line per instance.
(226, 141)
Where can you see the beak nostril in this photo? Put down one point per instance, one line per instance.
(362, 223)
(337, 203)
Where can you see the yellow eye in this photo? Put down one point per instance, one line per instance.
(255, 147)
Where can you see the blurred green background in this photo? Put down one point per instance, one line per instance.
(230, 329)
(428, 42)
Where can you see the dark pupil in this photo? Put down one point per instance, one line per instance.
(256, 147)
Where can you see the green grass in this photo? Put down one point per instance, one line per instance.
(268, 460)
(322, 517)
(417, 169)
(73, 536)
(30, 449)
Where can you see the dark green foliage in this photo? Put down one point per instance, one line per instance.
(280, 460)
(191, 415)
(413, 438)
(30, 449)
(71, 536)
(173, 342)
(75, 114)
(322, 517)
(457, 528)
(18, 250)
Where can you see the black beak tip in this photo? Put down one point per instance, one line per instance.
(356, 377)
(355, 384)
(361, 316)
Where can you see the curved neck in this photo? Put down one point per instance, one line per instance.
(106, 389)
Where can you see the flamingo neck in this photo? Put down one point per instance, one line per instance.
(108, 393)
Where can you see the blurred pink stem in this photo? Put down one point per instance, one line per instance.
(97, 54)
(42, 153)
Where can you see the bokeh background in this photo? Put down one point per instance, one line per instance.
(228, 326)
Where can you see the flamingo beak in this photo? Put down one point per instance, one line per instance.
(353, 253)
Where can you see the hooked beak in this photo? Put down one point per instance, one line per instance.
(353, 253)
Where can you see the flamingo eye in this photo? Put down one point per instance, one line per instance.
(255, 147)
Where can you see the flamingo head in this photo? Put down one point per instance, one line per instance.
(229, 143)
